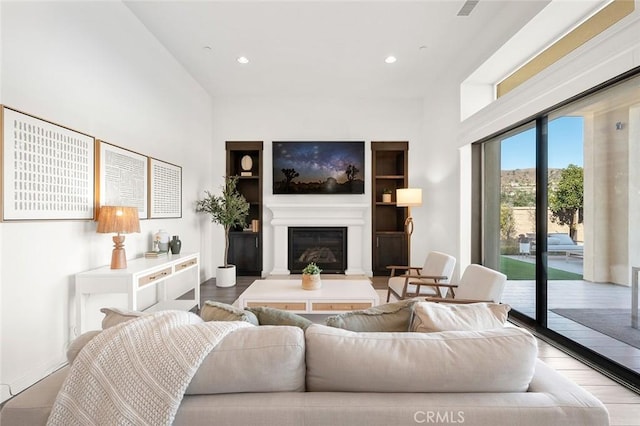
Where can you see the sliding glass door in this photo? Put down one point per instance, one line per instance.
(593, 199)
(561, 218)
(509, 227)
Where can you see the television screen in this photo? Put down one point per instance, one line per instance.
(318, 167)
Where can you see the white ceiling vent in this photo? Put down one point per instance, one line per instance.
(467, 7)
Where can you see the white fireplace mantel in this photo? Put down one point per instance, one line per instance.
(353, 216)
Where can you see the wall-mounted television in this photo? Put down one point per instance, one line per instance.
(314, 167)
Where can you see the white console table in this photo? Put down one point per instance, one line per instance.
(139, 274)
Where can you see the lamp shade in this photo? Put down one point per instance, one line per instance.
(119, 219)
(408, 197)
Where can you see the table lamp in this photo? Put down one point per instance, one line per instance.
(121, 220)
(408, 197)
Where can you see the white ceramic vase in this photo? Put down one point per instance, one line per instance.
(226, 277)
(311, 282)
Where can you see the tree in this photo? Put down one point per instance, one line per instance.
(566, 200)
(352, 172)
(507, 221)
(229, 210)
(289, 175)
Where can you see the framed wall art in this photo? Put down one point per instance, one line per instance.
(318, 167)
(47, 169)
(165, 189)
(121, 178)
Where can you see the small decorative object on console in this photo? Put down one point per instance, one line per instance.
(311, 277)
(175, 244)
(162, 237)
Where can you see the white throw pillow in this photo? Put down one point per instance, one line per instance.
(429, 317)
(498, 360)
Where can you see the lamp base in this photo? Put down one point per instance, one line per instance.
(118, 256)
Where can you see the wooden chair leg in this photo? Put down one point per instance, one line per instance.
(388, 294)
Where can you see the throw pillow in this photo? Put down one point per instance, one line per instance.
(273, 316)
(217, 311)
(114, 316)
(498, 360)
(394, 316)
(429, 317)
(78, 343)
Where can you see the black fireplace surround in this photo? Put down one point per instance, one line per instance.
(326, 246)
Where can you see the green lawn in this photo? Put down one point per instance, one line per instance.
(517, 270)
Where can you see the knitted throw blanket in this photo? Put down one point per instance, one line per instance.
(136, 373)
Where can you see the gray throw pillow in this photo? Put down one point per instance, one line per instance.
(273, 316)
(217, 311)
(114, 316)
(395, 316)
(78, 343)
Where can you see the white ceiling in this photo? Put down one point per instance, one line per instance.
(331, 48)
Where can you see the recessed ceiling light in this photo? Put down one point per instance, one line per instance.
(390, 59)
(243, 60)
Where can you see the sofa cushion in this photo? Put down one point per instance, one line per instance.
(429, 317)
(114, 316)
(498, 360)
(254, 359)
(217, 311)
(78, 343)
(394, 316)
(273, 316)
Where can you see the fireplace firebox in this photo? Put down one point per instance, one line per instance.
(326, 246)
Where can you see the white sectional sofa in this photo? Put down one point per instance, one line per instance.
(282, 375)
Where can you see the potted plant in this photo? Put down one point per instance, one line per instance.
(386, 195)
(229, 210)
(311, 277)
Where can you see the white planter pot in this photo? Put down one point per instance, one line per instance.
(226, 277)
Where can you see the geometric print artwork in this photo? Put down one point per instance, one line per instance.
(166, 189)
(47, 170)
(122, 178)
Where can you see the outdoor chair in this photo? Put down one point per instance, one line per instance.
(421, 281)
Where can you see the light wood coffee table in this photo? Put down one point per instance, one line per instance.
(335, 296)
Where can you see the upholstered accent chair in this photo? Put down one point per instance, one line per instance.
(415, 281)
(477, 284)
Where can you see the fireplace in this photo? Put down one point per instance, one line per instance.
(326, 246)
(350, 215)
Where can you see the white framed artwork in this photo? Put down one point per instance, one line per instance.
(47, 169)
(121, 178)
(165, 189)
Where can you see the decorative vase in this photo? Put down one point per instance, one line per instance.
(226, 277)
(311, 281)
(162, 237)
(386, 198)
(175, 244)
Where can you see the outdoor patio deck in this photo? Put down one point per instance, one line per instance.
(574, 294)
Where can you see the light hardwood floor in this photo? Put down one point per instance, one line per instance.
(622, 403)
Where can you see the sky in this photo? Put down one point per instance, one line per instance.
(317, 161)
(566, 137)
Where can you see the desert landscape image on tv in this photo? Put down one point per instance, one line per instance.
(318, 167)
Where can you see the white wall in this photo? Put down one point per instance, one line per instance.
(92, 67)
(605, 56)
(430, 164)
